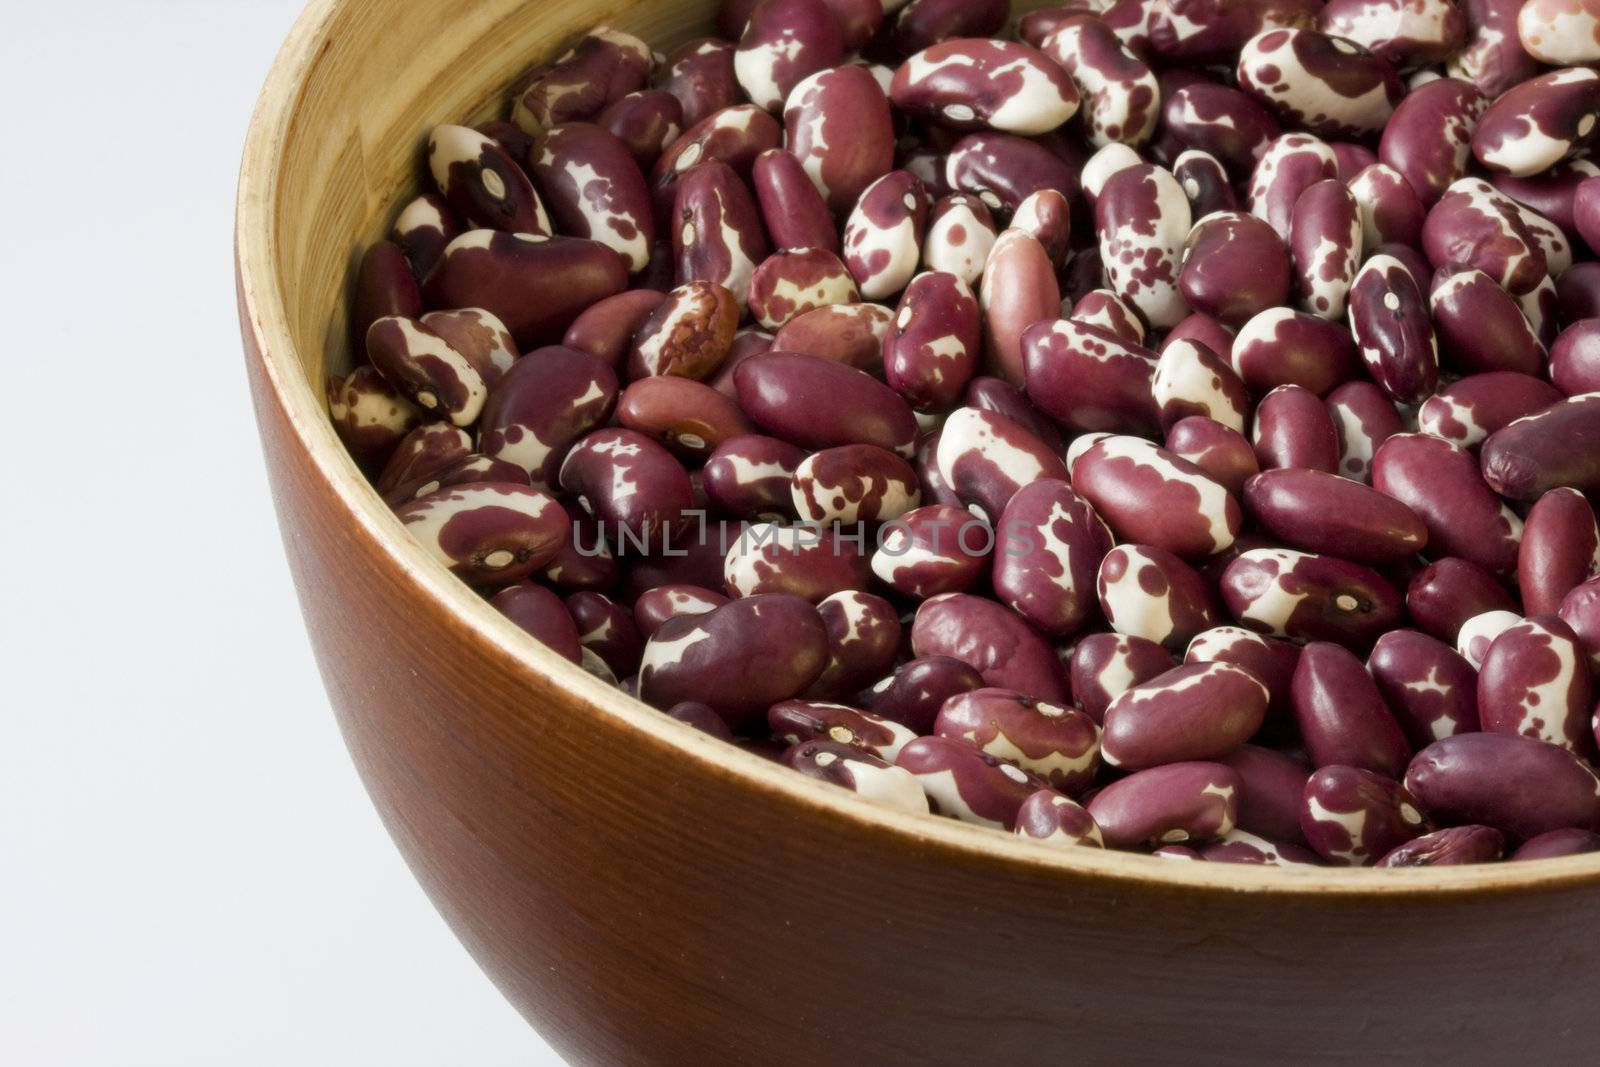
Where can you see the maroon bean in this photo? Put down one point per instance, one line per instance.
(1474, 225)
(923, 23)
(700, 75)
(966, 783)
(917, 689)
(1493, 59)
(1441, 483)
(1194, 712)
(1088, 378)
(1205, 183)
(716, 232)
(1105, 310)
(464, 471)
(1220, 451)
(1303, 596)
(1575, 359)
(1052, 819)
(1391, 211)
(1480, 326)
(1121, 99)
(782, 43)
(421, 453)
(969, 83)
(1329, 85)
(1408, 33)
(645, 122)
(695, 557)
(852, 334)
(1580, 610)
(985, 458)
(1554, 843)
(1150, 593)
(369, 415)
(1002, 169)
(487, 533)
(1389, 319)
(535, 285)
(1364, 418)
(1059, 744)
(1448, 592)
(1234, 267)
(882, 239)
(483, 183)
(740, 658)
(1428, 138)
(605, 65)
(863, 639)
(796, 721)
(655, 606)
(815, 403)
(1517, 785)
(999, 644)
(1220, 120)
(1467, 411)
(1281, 346)
(788, 284)
(793, 211)
(839, 128)
(628, 481)
(1019, 289)
(422, 230)
(540, 613)
(596, 189)
(1560, 550)
(1353, 817)
(1047, 551)
(960, 235)
(851, 484)
(1551, 193)
(1326, 239)
(1168, 805)
(384, 287)
(1429, 686)
(1212, 31)
(858, 771)
(605, 330)
(1149, 495)
(1534, 681)
(1578, 292)
(1272, 784)
(546, 401)
(802, 561)
(690, 418)
(1142, 217)
(607, 631)
(1342, 715)
(687, 335)
(733, 136)
(1294, 429)
(427, 369)
(932, 350)
(1536, 124)
(1320, 512)
(1448, 847)
(1559, 446)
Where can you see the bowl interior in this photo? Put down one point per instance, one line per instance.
(335, 149)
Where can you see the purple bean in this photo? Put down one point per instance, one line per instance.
(1148, 592)
(1354, 817)
(1429, 686)
(1303, 596)
(1534, 681)
(1517, 785)
(999, 644)
(1168, 805)
(1342, 715)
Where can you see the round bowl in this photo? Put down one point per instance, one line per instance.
(646, 894)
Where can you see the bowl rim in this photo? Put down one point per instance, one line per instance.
(264, 315)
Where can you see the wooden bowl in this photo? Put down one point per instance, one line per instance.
(645, 894)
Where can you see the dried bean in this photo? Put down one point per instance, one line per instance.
(1168, 805)
(1517, 785)
(1342, 715)
(1354, 817)
(1147, 592)
(1429, 686)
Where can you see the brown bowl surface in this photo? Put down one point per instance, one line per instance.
(646, 894)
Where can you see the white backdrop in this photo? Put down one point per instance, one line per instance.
(190, 872)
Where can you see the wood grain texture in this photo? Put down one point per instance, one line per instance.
(647, 895)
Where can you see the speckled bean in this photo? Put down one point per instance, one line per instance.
(1428, 139)
(1059, 744)
(918, 689)
(596, 190)
(1089, 379)
(802, 561)
(816, 403)
(1309, 597)
(1534, 681)
(1047, 551)
(998, 643)
(1354, 817)
(966, 783)
(1281, 346)
(968, 83)
(1538, 123)
(839, 127)
(985, 458)
(1325, 237)
(1559, 446)
(1448, 592)
(1220, 451)
(628, 481)
(1475, 225)
(782, 43)
(545, 402)
(716, 231)
(1168, 805)
(1441, 483)
(1147, 592)
(1429, 686)
(1293, 429)
(1234, 267)
(960, 235)
(487, 533)
(858, 771)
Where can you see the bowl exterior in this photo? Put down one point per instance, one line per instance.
(644, 896)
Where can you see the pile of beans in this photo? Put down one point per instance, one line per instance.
(1169, 428)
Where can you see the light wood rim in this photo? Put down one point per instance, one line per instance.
(255, 243)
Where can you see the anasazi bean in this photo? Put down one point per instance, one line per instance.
(1207, 474)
